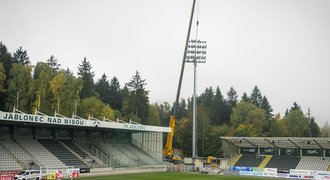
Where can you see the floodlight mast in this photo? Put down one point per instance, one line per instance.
(196, 54)
(168, 151)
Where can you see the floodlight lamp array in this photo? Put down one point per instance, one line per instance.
(196, 51)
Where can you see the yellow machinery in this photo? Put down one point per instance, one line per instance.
(212, 161)
(168, 151)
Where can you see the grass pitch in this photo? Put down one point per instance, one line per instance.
(172, 176)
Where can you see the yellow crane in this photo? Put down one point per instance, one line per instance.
(168, 150)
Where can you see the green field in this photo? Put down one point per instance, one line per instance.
(172, 176)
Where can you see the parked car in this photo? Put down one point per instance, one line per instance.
(28, 175)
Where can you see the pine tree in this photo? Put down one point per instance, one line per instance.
(84, 70)
(295, 107)
(115, 94)
(53, 63)
(231, 102)
(220, 115)
(102, 87)
(314, 128)
(21, 57)
(267, 107)
(256, 97)
(138, 97)
(245, 97)
(232, 97)
(206, 99)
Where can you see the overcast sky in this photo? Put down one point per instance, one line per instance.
(282, 46)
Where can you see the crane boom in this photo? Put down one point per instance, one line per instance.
(184, 59)
(168, 151)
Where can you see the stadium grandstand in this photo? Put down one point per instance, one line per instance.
(33, 141)
(283, 153)
(39, 141)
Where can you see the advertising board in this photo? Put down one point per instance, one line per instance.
(299, 172)
(289, 152)
(238, 168)
(245, 173)
(311, 152)
(257, 173)
(267, 151)
(247, 150)
(256, 169)
(7, 175)
(282, 175)
(270, 172)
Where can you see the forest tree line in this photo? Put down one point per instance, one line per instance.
(47, 88)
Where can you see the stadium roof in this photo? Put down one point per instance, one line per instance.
(75, 121)
(280, 142)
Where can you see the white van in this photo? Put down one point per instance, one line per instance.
(28, 175)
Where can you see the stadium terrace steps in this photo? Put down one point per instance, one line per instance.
(117, 159)
(265, 161)
(82, 153)
(145, 158)
(62, 153)
(76, 149)
(314, 163)
(127, 152)
(128, 155)
(22, 156)
(41, 154)
(235, 159)
(287, 162)
(123, 157)
(96, 151)
(7, 161)
(249, 160)
(73, 152)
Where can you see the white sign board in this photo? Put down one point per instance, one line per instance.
(39, 119)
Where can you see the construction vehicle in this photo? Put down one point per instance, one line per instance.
(168, 150)
(210, 166)
(212, 161)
